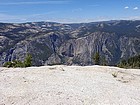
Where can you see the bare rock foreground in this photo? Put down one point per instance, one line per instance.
(69, 85)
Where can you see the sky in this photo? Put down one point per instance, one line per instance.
(68, 11)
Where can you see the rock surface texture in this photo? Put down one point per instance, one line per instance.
(69, 85)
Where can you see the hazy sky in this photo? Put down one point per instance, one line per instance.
(68, 10)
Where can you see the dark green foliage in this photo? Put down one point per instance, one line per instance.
(99, 60)
(28, 61)
(104, 61)
(123, 63)
(8, 64)
(16, 63)
(96, 58)
(133, 62)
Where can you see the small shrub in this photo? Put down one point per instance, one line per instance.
(8, 64)
(28, 61)
(96, 58)
(17, 63)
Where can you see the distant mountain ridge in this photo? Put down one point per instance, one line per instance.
(56, 43)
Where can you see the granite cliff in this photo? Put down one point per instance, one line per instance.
(56, 43)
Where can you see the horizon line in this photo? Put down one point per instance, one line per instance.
(70, 22)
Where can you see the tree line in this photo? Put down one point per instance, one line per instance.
(132, 62)
(17, 63)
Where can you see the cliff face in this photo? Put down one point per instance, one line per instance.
(54, 43)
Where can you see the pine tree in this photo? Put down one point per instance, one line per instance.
(96, 58)
(28, 60)
(104, 61)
